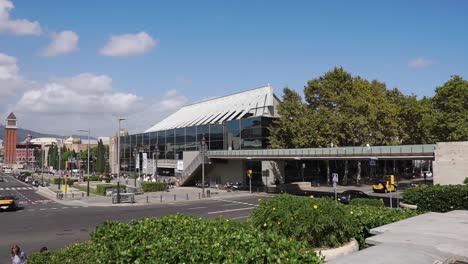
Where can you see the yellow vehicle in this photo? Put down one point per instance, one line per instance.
(384, 187)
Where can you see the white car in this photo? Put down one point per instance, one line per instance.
(428, 174)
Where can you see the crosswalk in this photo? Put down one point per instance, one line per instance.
(16, 188)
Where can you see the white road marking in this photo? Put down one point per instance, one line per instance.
(53, 208)
(64, 207)
(240, 217)
(42, 209)
(232, 210)
(195, 208)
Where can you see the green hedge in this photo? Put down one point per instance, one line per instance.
(369, 217)
(320, 222)
(101, 188)
(153, 186)
(82, 253)
(91, 178)
(182, 239)
(367, 202)
(438, 198)
(62, 181)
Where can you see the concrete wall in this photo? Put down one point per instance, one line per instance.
(276, 171)
(231, 171)
(451, 162)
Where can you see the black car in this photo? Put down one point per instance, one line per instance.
(1, 179)
(346, 196)
(8, 202)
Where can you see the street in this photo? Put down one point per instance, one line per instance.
(42, 222)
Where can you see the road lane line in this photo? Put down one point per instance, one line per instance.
(64, 207)
(199, 207)
(42, 209)
(240, 217)
(53, 208)
(231, 210)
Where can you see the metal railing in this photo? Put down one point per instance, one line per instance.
(403, 150)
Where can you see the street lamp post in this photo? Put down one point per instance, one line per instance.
(155, 163)
(118, 149)
(84, 130)
(203, 151)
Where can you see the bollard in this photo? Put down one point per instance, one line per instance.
(187, 196)
(174, 197)
(161, 198)
(73, 195)
(198, 196)
(147, 201)
(82, 194)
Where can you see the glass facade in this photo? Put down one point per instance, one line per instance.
(247, 133)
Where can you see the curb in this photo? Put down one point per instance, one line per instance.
(333, 253)
(410, 206)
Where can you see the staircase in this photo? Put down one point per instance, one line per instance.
(191, 170)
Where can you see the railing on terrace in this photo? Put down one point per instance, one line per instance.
(377, 151)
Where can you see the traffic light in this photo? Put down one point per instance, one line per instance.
(249, 173)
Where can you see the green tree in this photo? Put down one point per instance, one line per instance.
(291, 129)
(451, 110)
(351, 111)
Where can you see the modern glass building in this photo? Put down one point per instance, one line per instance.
(233, 122)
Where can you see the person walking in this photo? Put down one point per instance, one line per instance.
(18, 256)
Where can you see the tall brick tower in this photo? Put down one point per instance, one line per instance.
(10, 139)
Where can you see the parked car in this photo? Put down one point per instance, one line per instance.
(8, 202)
(1, 179)
(346, 196)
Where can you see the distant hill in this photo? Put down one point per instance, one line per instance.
(23, 133)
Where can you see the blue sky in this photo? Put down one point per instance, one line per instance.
(212, 48)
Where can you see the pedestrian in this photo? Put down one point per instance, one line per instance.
(18, 256)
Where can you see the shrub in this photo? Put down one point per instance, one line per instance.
(465, 181)
(369, 217)
(153, 186)
(186, 239)
(81, 253)
(320, 222)
(27, 173)
(367, 202)
(91, 178)
(62, 181)
(102, 188)
(438, 198)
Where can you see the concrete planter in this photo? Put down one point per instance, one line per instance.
(410, 206)
(332, 253)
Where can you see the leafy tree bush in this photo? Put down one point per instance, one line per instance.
(82, 253)
(438, 198)
(367, 202)
(368, 217)
(102, 188)
(186, 239)
(153, 186)
(320, 222)
(465, 181)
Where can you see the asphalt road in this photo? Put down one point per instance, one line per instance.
(55, 225)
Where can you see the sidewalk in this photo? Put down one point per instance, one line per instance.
(175, 195)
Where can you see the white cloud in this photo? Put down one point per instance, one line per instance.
(82, 94)
(128, 45)
(62, 43)
(420, 62)
(171, 101)
(11, 83)
(16, 26)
